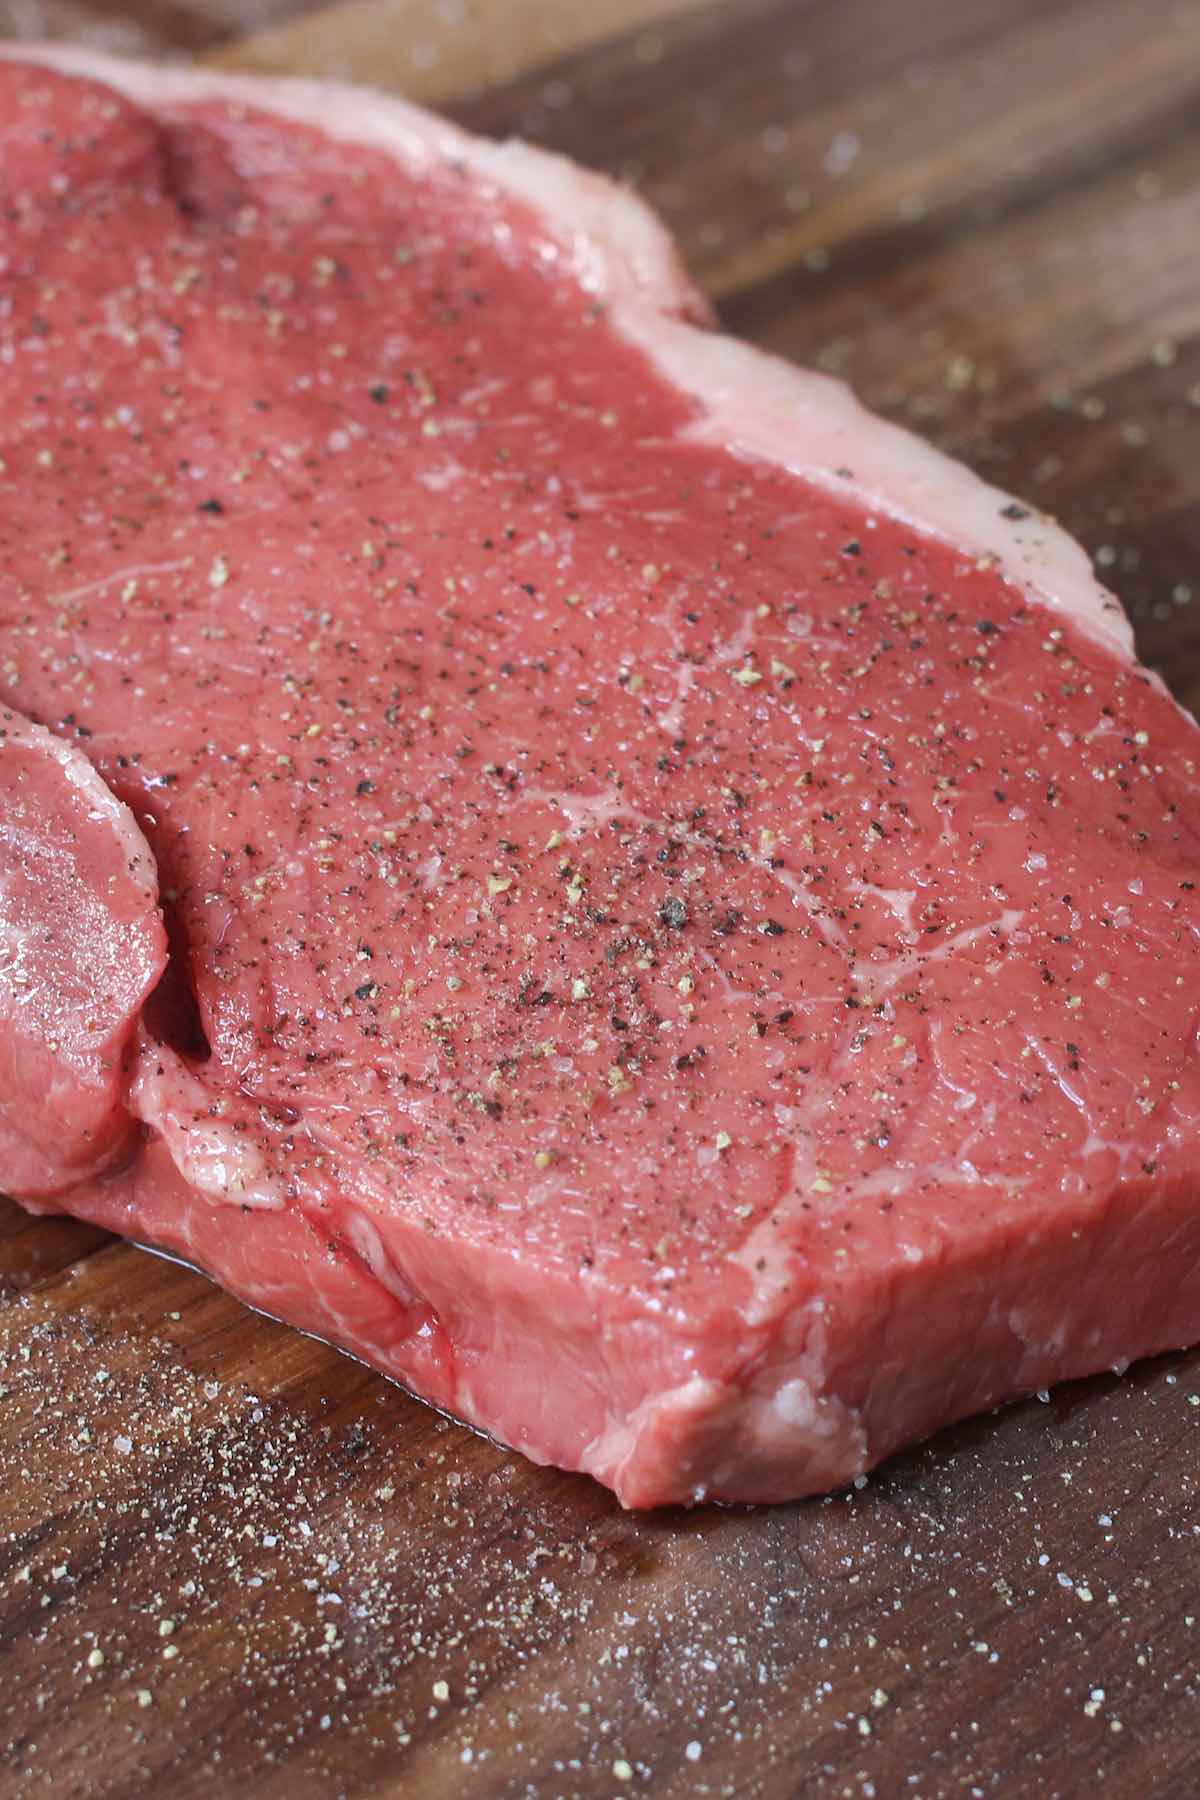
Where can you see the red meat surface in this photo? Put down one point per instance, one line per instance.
(677, 902)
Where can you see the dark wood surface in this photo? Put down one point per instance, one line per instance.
(233, 1562)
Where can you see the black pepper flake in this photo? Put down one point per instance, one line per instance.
(727, 923)
(853, 548)
(379, 393)
(367, 991)
(772, 928)
(1014, 510)
(674, 912)
(210, 506)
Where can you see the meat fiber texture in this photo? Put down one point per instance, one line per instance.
(541, 844)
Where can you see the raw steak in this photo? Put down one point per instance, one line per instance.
(677, 902)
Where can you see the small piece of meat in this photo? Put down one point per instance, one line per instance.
(81, 948)
(678, 931)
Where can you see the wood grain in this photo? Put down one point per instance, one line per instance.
(438, 53)
(988, 217)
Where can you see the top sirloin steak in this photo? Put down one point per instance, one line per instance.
(541, 844)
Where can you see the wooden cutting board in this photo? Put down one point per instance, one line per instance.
(233, 1562)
